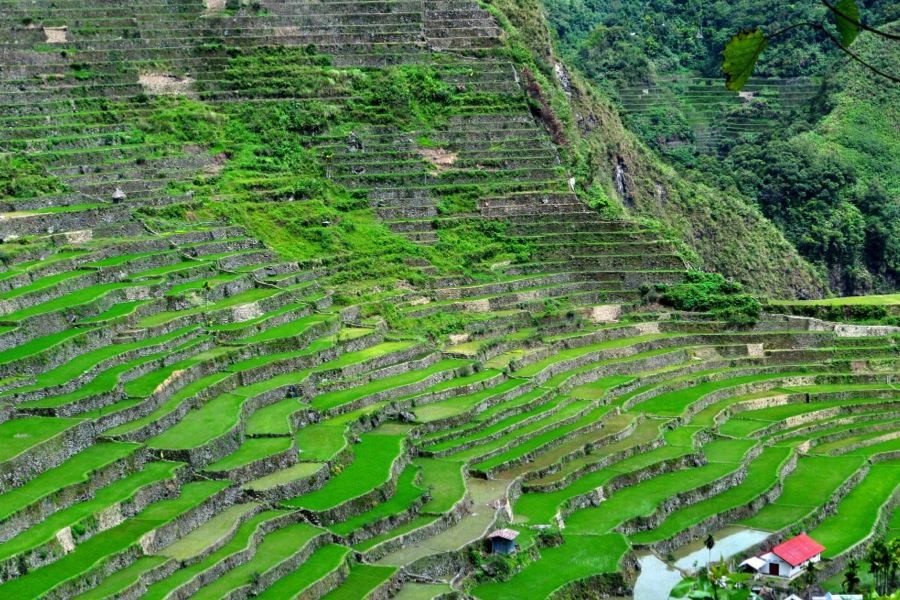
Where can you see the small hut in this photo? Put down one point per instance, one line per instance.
(788, 559)
(503, 541)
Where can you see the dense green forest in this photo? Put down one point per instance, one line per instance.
(814, 146)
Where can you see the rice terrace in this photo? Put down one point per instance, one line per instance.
(350, 299)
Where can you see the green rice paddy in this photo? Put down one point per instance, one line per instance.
(348, 319)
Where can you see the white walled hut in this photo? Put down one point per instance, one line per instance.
(787, 559)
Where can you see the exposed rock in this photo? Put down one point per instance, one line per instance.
(246, 312)
(606, 313)
(439, 158)
(756, 350)
(65, 539)
(81, 236)
(56, 35)
(166, 84)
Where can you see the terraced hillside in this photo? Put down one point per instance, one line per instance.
(297, 302)
(714, 114)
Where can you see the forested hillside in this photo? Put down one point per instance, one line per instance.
(811, 142)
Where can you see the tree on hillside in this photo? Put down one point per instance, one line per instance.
(744, 49)
(879, 557)
(893, 563)
(851, 577)
(710, 543)
(810, 577)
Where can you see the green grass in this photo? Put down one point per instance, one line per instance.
(522, 444)
(520, 451)
(143, 386)
(751, 422)
(340, 397)
(813, 481)
(299, 471)
(121, 259)
(252, 450)
(202, 425)
(171, 404)
(289, 329)
(78, 469)
(444, 479)
(422, 591)
(836, 446)
(879, 448)
(201, 538)
(249, 323)
(476, 432)
(857, 514)
(211, 282)
(320, 442)
(106, 381)
(40, 344)
(274, 419)
(880, 300)
(571, 353)
(416, 523)
(121, 579)
(41, 284)
(166, 270)
(362, 580)
(406, 494)
(762, 475)
(218, 416)
(118, 491)
(83, 363)
(275, 547)
(241, 540)
(460, 404)
(673, 404)
(251, 295)
(645, 432)
(29, 266)
(77, 298)
(92, 552)
(24, 433)
(373, 458)
(643, 498)
(580, 556)
(893, 530)
(539, 508)
(116, 311)
(322, 562)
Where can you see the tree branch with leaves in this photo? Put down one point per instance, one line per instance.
(744, 49)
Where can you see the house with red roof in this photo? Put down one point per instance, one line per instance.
(787, 559)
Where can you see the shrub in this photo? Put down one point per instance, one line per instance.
(549, 538)
(708, 292)
(20, 177)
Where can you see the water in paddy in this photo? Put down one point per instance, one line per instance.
(422, 591)
(470, 527)
(657, 577)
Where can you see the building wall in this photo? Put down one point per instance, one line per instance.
(784, 568)
(502, 546)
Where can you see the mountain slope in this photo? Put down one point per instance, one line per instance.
(723, 229)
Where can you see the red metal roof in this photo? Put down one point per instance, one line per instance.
(506, 534)
(798, 550)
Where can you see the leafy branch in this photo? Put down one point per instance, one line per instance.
(742, 52)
